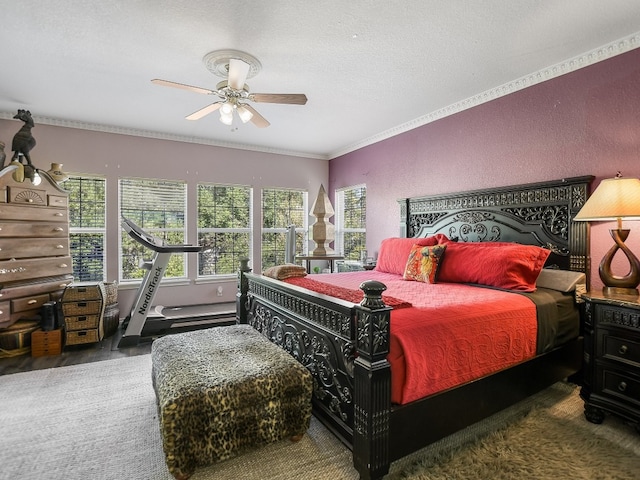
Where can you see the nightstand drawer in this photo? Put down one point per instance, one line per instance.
(613, 346)
(620, 385)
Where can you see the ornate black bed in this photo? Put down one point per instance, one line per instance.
(345, 345)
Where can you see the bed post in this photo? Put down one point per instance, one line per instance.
(372, 384)
(242, 291)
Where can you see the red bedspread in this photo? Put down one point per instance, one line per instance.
(453, 333)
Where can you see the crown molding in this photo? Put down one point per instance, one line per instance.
(56, 122)
(589, 58)
(604, 52)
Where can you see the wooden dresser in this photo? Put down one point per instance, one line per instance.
(35, 264)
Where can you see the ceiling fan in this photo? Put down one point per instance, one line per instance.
(233, 93)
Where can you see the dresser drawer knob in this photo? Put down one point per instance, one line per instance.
(1, 312)
(59, 246)
(58, 229)
(31, 302)
(622, 386)
(58, 214)
(623, 349)
(63, 265)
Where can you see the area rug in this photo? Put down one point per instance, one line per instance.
(99, 421)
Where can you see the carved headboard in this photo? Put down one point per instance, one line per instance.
(534, 214)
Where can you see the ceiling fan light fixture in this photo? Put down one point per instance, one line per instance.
(226, 118)
(244, 114)
(226, 108)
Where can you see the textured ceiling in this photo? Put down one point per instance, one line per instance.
(370, 69)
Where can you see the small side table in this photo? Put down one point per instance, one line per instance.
(612, 357)
(328, 258)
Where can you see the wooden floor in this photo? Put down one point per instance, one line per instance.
(74, 354)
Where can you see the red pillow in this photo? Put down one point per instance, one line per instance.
(393, 254)
(498, 264)
(423, 262)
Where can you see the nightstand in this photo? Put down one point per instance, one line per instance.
(611, 357)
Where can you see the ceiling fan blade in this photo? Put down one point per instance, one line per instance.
(238, 71)
(204, 111)
(257, 119)
(290, 98)
(167, 83)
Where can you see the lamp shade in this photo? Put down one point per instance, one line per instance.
(614, 198)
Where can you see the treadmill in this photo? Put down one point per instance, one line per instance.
(145, 323)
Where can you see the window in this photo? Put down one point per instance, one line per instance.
(281, 208)
(351, 222)
(87, 231)
(224, 228)
(159, 208)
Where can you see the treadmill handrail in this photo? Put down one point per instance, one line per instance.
(154, 243)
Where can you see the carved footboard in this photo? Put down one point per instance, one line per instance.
(344, 346)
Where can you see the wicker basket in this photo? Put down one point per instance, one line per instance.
(111, 319)
(79, 337)
(82, 322)
(16, 339)
(110, 293)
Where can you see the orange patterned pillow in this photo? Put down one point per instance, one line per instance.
(392, 257)
(422, 264)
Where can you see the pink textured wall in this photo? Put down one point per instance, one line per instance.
(583, 123)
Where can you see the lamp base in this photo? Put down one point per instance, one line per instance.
(616, 291)
(629, 281)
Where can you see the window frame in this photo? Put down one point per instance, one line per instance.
(213, 230)
(340, 218)
(88, 230)
(162, 232)
(302, 232)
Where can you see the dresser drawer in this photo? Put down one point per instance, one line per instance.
(618, 346)
(14, 270)
(78, 337)
(31, 196)
(621, 385)
(34, 230)
(53, 286)
(33, 247)
(79, 292)
(34, 213)
(5, 310)
(82, 322)
(72, 309)
(60, 201)
(28, 303)
(608, 316)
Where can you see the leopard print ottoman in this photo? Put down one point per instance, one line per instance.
(224, 390)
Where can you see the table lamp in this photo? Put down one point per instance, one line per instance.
(615, 199)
